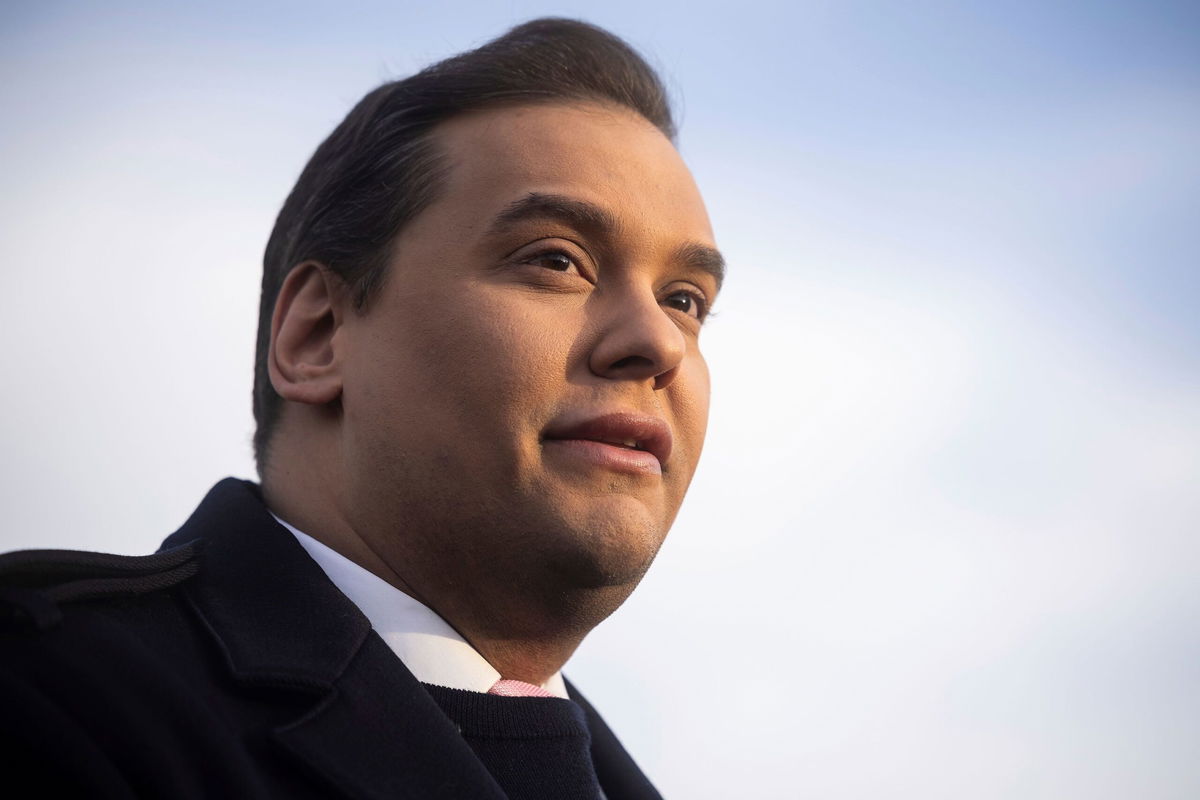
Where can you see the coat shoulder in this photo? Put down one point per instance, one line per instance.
(35, 585)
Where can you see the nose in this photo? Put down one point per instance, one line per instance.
(639, 341)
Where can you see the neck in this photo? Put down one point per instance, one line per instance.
(525, 619)
(298, 490)
(522, 638)
(531, 662)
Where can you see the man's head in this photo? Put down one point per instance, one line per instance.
(380, 167)
(508, 411)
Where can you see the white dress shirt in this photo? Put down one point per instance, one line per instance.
(426, 644)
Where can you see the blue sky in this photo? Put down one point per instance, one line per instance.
(945, 532)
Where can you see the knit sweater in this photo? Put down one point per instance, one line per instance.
(537, 748)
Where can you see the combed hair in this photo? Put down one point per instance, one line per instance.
(380, 168)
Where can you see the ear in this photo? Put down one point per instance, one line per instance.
(302, 360)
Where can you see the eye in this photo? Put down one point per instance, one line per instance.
(553, 259)
(552, 262)
(689, 303)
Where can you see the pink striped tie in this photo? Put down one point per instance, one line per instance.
(510, 688)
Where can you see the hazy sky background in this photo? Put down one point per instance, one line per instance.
(944, 540)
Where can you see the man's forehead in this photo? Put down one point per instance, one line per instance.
(606, 157)
(495, 123)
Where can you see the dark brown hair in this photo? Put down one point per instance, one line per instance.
(380, 167)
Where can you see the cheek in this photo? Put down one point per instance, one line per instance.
(691, 408)
(491, 354)
(517, 355)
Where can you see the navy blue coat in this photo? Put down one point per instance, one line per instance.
(225, 666)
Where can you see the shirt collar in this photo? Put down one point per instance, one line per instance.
(432, 650)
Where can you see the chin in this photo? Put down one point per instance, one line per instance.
(606, 550)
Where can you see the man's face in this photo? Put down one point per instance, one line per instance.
(526, 395)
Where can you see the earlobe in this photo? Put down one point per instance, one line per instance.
(302, 360)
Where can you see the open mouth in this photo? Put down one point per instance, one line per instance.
(632, 444)
(633, 433)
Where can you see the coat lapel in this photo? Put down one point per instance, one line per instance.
(379, 734)
(619, 776)
(372, 731)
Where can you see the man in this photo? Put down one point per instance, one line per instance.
(480, 400)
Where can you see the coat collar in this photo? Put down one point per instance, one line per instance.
(372, 731)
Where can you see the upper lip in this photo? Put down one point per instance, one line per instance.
(619, 428)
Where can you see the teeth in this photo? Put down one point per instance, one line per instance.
(630, 443)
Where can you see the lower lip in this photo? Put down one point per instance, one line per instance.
(606, 456)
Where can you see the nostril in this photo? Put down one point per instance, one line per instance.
(630, 362)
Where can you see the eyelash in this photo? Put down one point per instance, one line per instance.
(551, 253)
(697, 298)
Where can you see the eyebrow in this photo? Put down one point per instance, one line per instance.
(593, 219)
(703, 258)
